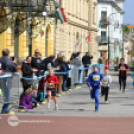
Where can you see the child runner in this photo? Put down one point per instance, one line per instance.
(123, 68)
(52, 81)
(94, 82)
(105, 84)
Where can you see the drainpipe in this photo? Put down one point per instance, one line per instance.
(55, 36)
(89, 24)
(56, 6)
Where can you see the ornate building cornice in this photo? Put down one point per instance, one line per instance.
(77, 24)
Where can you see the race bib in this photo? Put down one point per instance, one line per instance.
(51, 85)
(122, 68)
(96, 77)
(105, 81)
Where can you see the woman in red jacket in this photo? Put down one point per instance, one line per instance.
(52, 81)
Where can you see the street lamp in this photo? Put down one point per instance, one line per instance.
(109, 31)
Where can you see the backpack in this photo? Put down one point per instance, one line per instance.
(40, 96)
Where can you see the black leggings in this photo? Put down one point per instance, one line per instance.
(105, 91)
(122, 79)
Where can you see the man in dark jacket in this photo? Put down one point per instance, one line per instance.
(86, 60)
(27, 71)
(8, 67)
(37, 62)
(49, 60)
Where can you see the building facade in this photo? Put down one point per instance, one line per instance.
(81, 18)
(50, 38)
(110, 19)
(14, 31)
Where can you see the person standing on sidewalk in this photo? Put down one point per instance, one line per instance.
(94, 82)
(86, 60)
(8, 67)
(38, 65)
(105, 84)
(123, 68)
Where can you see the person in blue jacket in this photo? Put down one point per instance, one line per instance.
(94, 82)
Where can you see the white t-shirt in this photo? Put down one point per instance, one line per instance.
(106, 80)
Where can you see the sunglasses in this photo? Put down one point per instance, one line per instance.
(36, 52)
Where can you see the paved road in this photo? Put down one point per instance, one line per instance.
(79, 103)
(76, 114)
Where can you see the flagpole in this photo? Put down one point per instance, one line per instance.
(89, 25)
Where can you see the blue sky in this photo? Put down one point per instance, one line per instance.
(129, 12)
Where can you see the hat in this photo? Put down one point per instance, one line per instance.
(59, 55)
(96, 66)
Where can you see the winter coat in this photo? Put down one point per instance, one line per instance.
(25, 100)
(26, 69)
(86, 59)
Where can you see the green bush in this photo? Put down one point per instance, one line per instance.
(116, 60)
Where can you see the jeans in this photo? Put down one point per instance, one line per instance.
(64, 83)
(95, 95)
(86, 71)
(6, 85)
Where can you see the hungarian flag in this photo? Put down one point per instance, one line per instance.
(60, 14)
(88, 38)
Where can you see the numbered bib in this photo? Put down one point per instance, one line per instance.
(122, 68)
(51, 85)
(105, 81)
(96, 77)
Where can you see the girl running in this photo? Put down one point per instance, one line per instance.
(123, 68)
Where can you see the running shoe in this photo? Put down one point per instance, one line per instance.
(48, 105)
(96, 110)
(123, 91)
(56, 107)
(106, 102)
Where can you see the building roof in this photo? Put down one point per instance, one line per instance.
(113, 3)
(130, 26)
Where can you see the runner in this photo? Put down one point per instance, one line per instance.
(105, 84)
(123, 68)
(94, 82)
(52, 81)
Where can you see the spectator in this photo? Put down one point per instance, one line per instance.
(60, 68)
(34, 96)
(25, 100)
(27, 72)
(49, 61)
(37, 62)
(65, 76)
(86, 60)
(78, 61)
(7, 66)
(58, 56)
(72, 58)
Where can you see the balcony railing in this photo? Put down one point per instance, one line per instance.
(104, 40)
(104, 21)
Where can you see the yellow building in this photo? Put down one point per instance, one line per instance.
(65, 38)
(15, 36)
